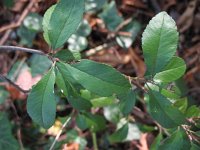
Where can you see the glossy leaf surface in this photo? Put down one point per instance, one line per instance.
(98, 78)
(61, 21)
(162, 111)
(172, 71)
(159, 42)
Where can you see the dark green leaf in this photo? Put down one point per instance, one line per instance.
(159, 42)
(92, 121)
(3, 95)
(110, 16)
(156, 142)
(81, 121)
(68, 56)
(98, 78)
(119, 135)
(127, 102)
(61, 21)
(162, 111)
(133, 28)
(172, 71)
(41, 103)
(26, 36)
(177, 141)
(67, 88)
(7, 141)
(92, 6)
(39, 64)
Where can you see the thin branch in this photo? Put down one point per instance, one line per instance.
(59, 133)
(15, 48)
(13, 84)
(94, 140)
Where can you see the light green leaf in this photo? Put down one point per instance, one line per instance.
(61, 21)
(172, 71)
(102, 101)
(41, 103)
(162, 111)
(119, 135)
(7, 141)
(193, 111)
(159, 42)
(177, 141)
(98, 78)
(181, 104)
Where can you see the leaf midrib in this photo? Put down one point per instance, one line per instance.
(160, 33)
(99, 79)
(45, 88)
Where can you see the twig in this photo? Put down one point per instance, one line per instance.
(13, 84)
(59, 133)
(23, 15)
(15, 48)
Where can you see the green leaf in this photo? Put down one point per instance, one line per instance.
(133, 28)
(112, 113)
(162, 111)
(127, 102)
(93, 6)
(3, 95)
(110, 16)
(77, 43)
(102, 101)
(26, 36)
(92, 121)
(172, 71)
(7, 141)
(73, 137)
(119, 135)
(194, 147)
(84, 28)
(98, 78)
(67, 88)
(39, 64)
(41, 103)
(193, 111)
(33, 22)
(159, 42)
(177, 141)
(81, 122)
(68, 56)
(61, 21)
(156, 142)
(181, 104)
